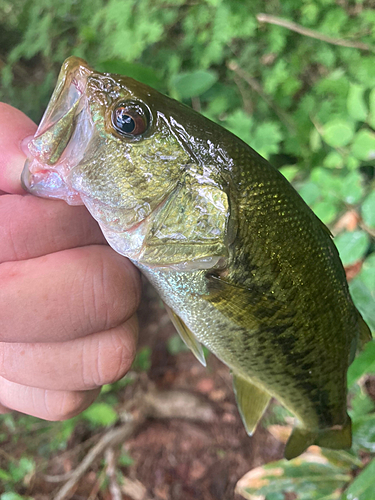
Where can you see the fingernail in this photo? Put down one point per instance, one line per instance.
(24, 146)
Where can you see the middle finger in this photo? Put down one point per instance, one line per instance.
(66, 295)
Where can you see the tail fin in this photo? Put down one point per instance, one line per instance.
(337, 438)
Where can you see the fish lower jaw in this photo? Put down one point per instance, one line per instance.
(47, 183)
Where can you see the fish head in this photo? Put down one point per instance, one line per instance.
(102, 139)
(121, 148)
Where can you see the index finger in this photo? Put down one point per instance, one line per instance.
(15, 126)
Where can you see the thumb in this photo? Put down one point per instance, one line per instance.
(14, 127)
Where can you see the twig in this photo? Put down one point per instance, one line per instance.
(247, 103)
(368, 230)
(98, 484)
(60, 478)
(135, 489)
(114, 488)
(110, 438)
(155, 404)
(265, 18)
(233, 66)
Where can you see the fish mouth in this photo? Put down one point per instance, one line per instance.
(62, 136)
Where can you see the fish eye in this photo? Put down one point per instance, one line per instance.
(130, 119)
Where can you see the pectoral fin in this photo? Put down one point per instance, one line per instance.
(251, 401)
(187, 335)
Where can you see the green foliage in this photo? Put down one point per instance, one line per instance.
(175, 345)
(142, 360)
(352, 246)
(309, 480)
(193, 84)
(125, 460)
(307, 105)
(364, 363)
(13, 496)
(16, 473)
(368, 210)
(100, 414)
(338, 132)
(362, 488)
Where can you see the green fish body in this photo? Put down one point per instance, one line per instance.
(241, 262)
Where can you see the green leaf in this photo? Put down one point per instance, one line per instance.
(351, 188)
(5, 475)
(289, 171)
(175, 345)
(363, 146)
(333, 160)
(13, 496)
(142, 361)
(352, 246)
(310, 192)
(309, 477)
(100, 414)
(125, 460)
(361, 404)
(193, 84)
(315, 140)
(371, 117)
(364, 363)
(364, 433)
(267, 137)
(352, 163)
(328, 182)
(364, 301)
(240, 124)
(368, 210)
(326, 211)
(367, 274)
(338, 132)
(362, 488)
(137, 71)
(356, 103)
(20, 469)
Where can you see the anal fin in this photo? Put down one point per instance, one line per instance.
(252, 402)
(187, 335)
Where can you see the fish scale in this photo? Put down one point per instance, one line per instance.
(241, 262)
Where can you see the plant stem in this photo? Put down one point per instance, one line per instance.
(265, 18)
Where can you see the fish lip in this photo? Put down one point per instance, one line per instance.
(51, 152)
(73, 75)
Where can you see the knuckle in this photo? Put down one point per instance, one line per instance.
(115, 289)
(115, 363)
(64, 405)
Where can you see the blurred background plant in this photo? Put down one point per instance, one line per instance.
(295, 80)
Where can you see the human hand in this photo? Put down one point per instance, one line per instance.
(67, 300)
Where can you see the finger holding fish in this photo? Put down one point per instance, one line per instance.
(59, 296)
(15, 126)
(69, 294)
(80, 364)
(42, 403)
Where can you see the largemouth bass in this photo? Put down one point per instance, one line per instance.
(241, 262)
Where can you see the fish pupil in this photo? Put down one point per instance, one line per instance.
(125, 123)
